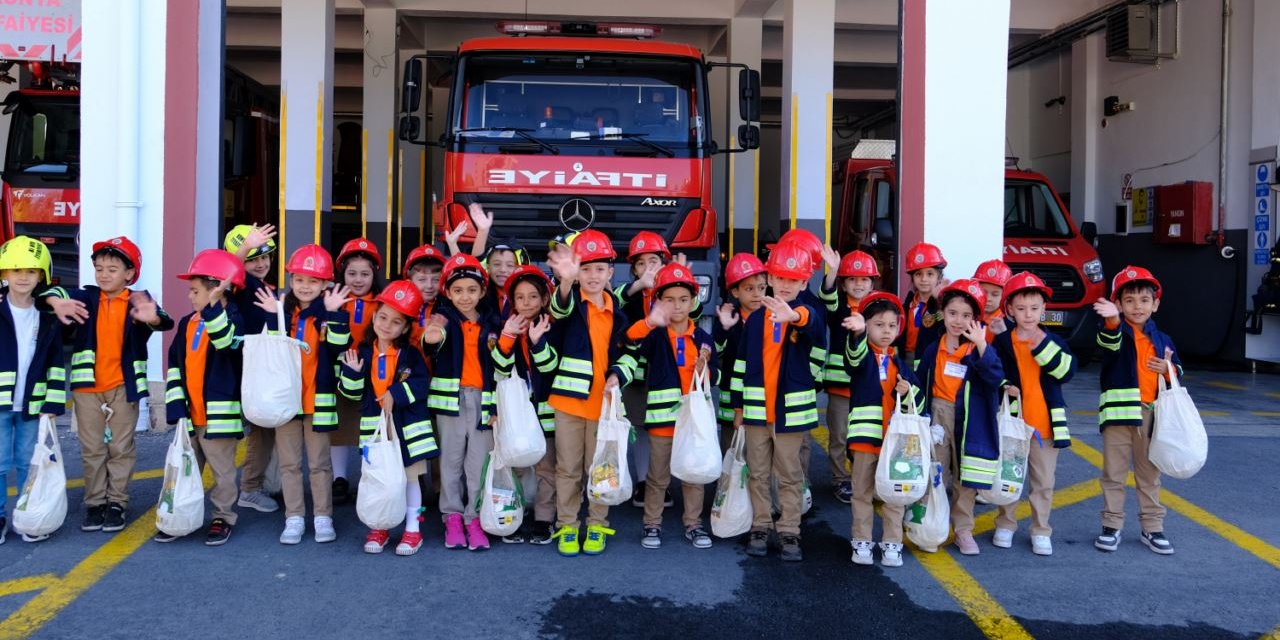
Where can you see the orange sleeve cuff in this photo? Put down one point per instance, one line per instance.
(638, 331)
(804, 317)
(1113, 323)
(506, 343)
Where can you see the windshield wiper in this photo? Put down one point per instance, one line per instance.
(523, 133)
(641, 138)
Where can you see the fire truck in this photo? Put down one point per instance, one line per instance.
(559, 127)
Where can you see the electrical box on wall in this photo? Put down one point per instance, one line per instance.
(1184, 213)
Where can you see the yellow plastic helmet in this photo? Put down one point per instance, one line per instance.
(22, 252)
(236, 237)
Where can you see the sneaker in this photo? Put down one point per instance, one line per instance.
(542, 534)
(454, 535)
(1041, 545)
(568, 546)
(27, 538)
(1003, 538)
(515, 538)
(4, 528)
(844, 492)
(981, 500)
(93, 518)
(791, 549)
(758, 544)
(219, 533)
(410, 542)
(699, 537)
(862, 552)
(966, 544)
(1108, 540)
(114, 519)
(258, 501)
(637, 496)
(294, 527)
(324, 529)
(376, 541)
(1156, 542)
(476, 538)
(595, 543)
(164, 538)
(890, 554)
(652, 538)
(341, 490)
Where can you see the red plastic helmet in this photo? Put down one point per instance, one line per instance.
(807, 240)
(858, 264)
(672, 275)
(923, 256)
(593, 246)
(742, 266)
(526, 272)
(463, 265)
(883, 296)
(648, 242)
(994, 272)
(217, 264)
(403, 297)
(1024, 281)
(1131, 274)
(311, 260)
(970, 288)
(124, 248)
(359, 246)
(425, 253)
(790, 260)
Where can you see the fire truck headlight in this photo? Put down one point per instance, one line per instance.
(704, 288)
(1093, 270)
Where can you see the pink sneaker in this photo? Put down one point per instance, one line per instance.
(966, 544)
(454, 538)
(476, 539)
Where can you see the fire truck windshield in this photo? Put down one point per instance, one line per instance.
(1031, 211)
(44, 138)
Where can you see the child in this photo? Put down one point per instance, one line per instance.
(255, 246)
(109, 374)
(500, 261)
(855, 275)
(877, 377)
(924, 317)
(358, 266)
(33, 381)
(778, 400)
(422, 268)
(461, 396)
(744, 277)
(963, 379)
(314, 315)
(523, 351)
(992, 276)
(1036, 364)
(203, 382)
(1135, 355)
(589, 336)
(394, 378)
(671, 366)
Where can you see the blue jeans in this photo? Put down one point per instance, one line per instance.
(17, 445)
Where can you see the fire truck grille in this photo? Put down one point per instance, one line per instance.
(1063, 280)
(534, 220)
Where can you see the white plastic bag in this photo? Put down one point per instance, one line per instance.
(380, 500)
(181, 507)
(905, 458)
(501, 502)
(42, 506)
(518, 434)
(271, 385)
(731, 513)
(1015, 446)
(1179, 445)
(609, 481)
(695, 448)
(929, 521)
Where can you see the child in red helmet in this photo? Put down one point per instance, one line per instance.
(422, 268)
(745, 279)
(924, 263)
(359, 266)
(991, 276)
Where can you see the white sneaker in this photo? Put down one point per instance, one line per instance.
(1003, 538)
(1041, 545)
(862, 552)
(324, 529)
(294, 527)
(258, 501)
(890, 554)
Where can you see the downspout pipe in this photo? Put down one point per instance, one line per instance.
(1223, 122)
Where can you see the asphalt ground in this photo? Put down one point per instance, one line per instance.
(1223, 581)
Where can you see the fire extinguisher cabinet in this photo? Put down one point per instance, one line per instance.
(1184, 213)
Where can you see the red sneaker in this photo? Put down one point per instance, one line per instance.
(376, 540)
(410, 542)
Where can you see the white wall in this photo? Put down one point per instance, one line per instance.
(1040, 136)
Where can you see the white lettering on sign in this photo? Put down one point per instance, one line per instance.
(1041, 251)
(66, 209)
(658, 202)
(579, 176)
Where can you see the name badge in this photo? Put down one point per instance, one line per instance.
(954, 370)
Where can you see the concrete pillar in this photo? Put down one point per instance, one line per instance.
(808, 59)
(381, 94)
(745, 38)
(306, 124)
(718, 112)
(953, 79)
(1086, 114)
(413, 222)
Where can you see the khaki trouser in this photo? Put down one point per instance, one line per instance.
(635, 402)
(292, 439)
(258, 444)
(864, 491)
(463, 447)
(1121, 447)
(838, 437)
(220, 454)
(1042, 466)
(544, 505)
(107, 465)
(769, 453)
(348, 433)
(963, 499)
(655, 489)
(575, 447)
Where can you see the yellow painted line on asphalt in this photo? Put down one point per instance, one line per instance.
(1214, 414)
(1062, 498)
(1274, 635)
(1266, 414)
(1272, 394)
(28, 583)
(983, 609)
(1084, 412)
(1226, 385)
(78, 483)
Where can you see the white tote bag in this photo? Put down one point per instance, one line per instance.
(929, 521)
(905, 458)
(1015, 446)
(695, 448)
(731, 513)
(518, 434)
(609, 481)
(180, 510)
(380, 500)
(42, 506)
(271, 386)
(1179, 446)
(501, 501)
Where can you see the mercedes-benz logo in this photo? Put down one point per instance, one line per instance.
(577, 214)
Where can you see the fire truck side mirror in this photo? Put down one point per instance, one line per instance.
(411, 92)
(749, 95)
(410, 128)
(748, 137)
